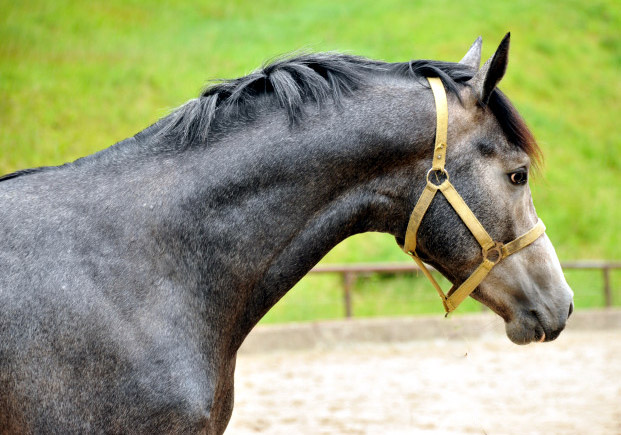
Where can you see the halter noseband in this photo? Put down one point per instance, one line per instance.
(493, 251)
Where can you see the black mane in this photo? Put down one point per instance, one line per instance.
(291, 83)
(294, 81)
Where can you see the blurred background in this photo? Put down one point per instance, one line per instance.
(76, 77)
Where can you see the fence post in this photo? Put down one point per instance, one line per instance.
(349, 279)
(607, 291)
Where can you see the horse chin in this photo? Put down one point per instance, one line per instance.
(520, 333)
(527, 329)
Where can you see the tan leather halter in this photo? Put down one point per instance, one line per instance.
(493, 251)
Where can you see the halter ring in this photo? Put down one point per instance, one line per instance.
(436, 171)
(495, 251)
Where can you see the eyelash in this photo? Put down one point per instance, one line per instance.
(518, 177)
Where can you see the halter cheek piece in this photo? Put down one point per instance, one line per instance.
(493, 251)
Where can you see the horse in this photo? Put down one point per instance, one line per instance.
(130, 277)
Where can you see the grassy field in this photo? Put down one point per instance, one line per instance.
(76, 77)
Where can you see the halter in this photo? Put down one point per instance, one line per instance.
(493, 251)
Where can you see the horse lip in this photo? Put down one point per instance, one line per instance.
(540, 326)
(528, 328)
(553, 335)
(547, 333)
(540, 331)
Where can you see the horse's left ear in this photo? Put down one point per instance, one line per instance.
(486, 79)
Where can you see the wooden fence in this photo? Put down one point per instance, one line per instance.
(350, 273)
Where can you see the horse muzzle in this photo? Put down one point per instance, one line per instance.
(537, 326)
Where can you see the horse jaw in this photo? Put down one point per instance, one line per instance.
(529, 291)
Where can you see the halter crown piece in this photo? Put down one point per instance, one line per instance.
(493, 251)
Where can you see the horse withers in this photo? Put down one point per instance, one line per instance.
(129, 278)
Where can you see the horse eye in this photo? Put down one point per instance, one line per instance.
(518, 177)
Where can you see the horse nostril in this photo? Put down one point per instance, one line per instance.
(571, 309)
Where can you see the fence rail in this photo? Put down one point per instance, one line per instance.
(350, 273)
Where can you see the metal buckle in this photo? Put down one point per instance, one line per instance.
(495, 251)
(438, 173)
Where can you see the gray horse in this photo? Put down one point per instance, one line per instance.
(129, 278)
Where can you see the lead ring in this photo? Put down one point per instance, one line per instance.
(497, 253)
(441, 171)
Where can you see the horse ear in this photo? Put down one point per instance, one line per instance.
(486, 79)
(473, 57)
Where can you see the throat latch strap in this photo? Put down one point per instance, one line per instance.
(492, 251)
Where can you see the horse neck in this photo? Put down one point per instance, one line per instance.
(259, 208)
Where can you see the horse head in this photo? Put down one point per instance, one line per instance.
(489, 155)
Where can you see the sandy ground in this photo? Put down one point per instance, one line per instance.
(483, 385)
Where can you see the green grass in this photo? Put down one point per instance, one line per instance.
(76, 77)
